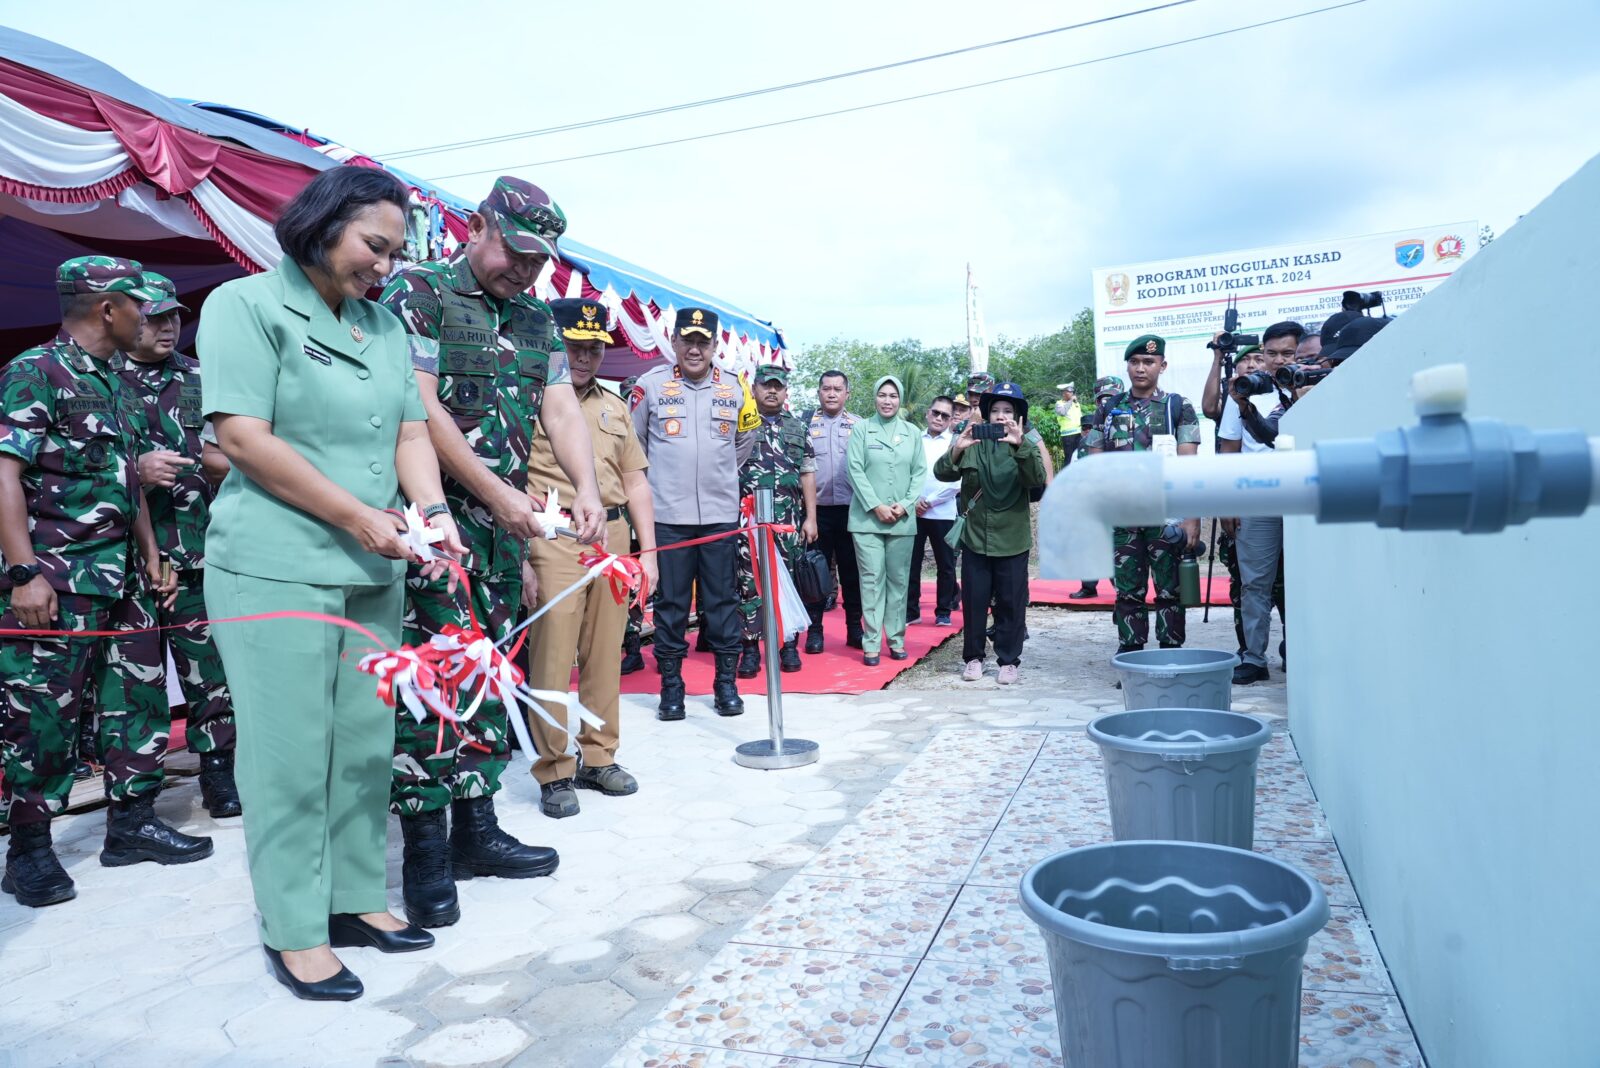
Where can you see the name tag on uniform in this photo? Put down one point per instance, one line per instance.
(877, 445)
(318, 355)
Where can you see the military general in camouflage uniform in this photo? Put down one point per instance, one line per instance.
(160, 389)
(70, 511)
(1129, 422)
(482, 348)
(783, 459)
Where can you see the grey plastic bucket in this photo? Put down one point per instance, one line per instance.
(1175, 954)
(1176, 678)
(1183, 774)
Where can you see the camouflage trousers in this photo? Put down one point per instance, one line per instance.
(431, 769)
(1228, 553)
(51, 682)
(209, 728)
(1140, 557)
(792, 548)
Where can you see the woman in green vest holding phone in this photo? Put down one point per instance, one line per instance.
(309, 387)
(887, 468)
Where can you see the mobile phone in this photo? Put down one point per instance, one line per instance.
(988, 431)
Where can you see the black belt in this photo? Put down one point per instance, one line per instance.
(613, 514)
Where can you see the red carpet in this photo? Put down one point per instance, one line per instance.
(837, 669)
(1055, 591)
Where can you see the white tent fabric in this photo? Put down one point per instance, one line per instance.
(39, 150)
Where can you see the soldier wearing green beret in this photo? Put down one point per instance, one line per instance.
(486, 357)
(783, 459)
(1130, 422)
(70, 508)
(161, 393)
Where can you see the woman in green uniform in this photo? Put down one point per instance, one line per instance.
(310, 389)
(887, 468)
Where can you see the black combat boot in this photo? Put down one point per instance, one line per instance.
(789, 656)
(725, 689)
(852, 633)
(632, 659)
(33, 873)
(814, 638)
(134, 833)
(479, 847)
(427, 888)
(217, 790)
(750, 659)
(671, 705)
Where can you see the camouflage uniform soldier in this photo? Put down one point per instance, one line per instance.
(160, 390)
(70, 508)
(482, 350)
(1129, 422)
(783, 459)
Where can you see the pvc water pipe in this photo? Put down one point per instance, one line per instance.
(1447, 473)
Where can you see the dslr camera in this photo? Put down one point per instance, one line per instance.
(1230, 340)
(1350, 300)
(988, 431)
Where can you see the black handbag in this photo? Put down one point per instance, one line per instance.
(813, 578)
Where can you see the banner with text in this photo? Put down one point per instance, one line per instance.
(1183, 300)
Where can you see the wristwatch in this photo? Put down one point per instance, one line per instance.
(432, 510)
(20, 574)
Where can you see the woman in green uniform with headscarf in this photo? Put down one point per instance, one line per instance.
(887, 469)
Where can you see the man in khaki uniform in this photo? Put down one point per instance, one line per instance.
(589, 623)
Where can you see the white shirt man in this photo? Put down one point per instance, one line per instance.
(936, 513)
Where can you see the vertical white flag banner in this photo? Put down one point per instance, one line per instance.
(977, 338)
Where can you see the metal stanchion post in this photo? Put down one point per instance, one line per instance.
(771, 754)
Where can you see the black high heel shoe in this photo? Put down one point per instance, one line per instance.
(347, 929)
(342, 986)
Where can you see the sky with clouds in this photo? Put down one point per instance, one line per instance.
(1383, 115)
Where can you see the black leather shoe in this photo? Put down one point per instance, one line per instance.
(789, 657)
(34, 875)
(135, 833)
(1084, 592)
(558, 799)
(898, 654)
(218, 793)
(670, 706)
(852, 634)
(749, 660)
(814, 641)
(341, 986)
(1172, 645)
(1245, 674)
(479, 847)
(610, 780)
(725, 699)
(869, 659)
(347, 929)
(426, 886)
(1130, 648)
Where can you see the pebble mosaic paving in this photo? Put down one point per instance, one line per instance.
(902, 943)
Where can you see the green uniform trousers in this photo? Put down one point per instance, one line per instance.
(884, 561)
(431, 768)
(314, 747)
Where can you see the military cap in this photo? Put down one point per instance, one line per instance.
(581, 320)
(526, 215)
(700, 321)
(768, 371)
(105, 274)
(980, 382)
(1108, 386)
(1351, 336)
(169, 295)
(1247, 350)
(1149, 344)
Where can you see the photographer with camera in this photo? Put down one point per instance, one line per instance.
(1258, 541)
(1132, 422)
